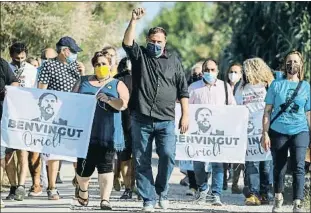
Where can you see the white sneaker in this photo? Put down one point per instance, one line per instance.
(164, 204)
(297, 206)
(277, 205)
(148, 208)
(216, 201)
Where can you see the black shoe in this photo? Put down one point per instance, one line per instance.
(266, 199)
(127, 194)
(236, 190)
(58, 180)
(11, 195)
(184, 181)
(246, 192)
(225, 186)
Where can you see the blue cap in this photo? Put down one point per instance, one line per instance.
(69, 42)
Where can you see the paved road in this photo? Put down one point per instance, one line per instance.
(179, 202)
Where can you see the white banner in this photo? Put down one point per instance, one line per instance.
(255, 151)
(55, 123)
(216, 134)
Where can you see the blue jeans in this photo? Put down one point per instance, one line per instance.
(144, 130)
(259, 176)
(297, 145)
(217, 177)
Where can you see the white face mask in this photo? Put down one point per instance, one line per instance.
(234, 77)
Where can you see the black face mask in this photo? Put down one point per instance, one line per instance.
(17, 63)
(292, 69)
(196, 78)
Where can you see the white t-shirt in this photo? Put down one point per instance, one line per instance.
(29, 76)
(252, 96)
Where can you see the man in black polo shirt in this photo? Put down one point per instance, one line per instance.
(158, 81)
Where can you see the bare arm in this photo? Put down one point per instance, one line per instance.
(15, 84)
(129, 34)
(184, 121)
(266, 119)
(117, 103)
(184, 102)
(42, 86)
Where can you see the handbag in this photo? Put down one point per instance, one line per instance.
(287, 104)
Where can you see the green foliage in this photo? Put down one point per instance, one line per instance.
(42, 24)
(235, 31)
(190, 33)
(268, 30)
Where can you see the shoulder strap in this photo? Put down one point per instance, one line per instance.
(288, 103)
(109, 80)
(226, 92)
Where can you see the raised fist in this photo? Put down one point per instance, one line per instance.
(138, 13)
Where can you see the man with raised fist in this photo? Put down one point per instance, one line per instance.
(158, 81)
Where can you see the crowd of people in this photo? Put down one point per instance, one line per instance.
(136, 106)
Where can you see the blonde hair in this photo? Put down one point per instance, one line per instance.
(301, 70)
(256, 71)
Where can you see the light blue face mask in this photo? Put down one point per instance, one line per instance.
(278, 74)
(209, 78)
(72, 58)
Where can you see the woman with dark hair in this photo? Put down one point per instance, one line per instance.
(234, 75)
(107, 133)
(286, 126)
(125, 157)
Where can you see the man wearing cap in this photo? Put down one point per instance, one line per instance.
(60, 73)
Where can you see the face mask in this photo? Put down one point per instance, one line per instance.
(209, 78)
(196, 78)
(292, 69)
(278, 74)
(102, 72)
(234, 77)
(19, 64)
(72, 58)
(155, 50)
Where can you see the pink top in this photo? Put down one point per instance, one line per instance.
(201, 93)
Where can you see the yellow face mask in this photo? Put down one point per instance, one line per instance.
(102, 71)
